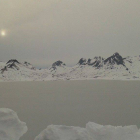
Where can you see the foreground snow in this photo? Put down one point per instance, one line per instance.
(11, 128)
(91, 132)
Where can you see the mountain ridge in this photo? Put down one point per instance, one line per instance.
(113, 67)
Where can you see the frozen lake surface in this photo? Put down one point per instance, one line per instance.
(72, 103)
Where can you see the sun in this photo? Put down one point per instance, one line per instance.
(3, 33)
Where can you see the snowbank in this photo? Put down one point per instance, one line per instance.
(11, 128)
(92, 131)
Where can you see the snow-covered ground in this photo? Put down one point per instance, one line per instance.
(113, 67)
(11, 128)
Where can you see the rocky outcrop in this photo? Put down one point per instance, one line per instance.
(96, 62)
(116, 58)
(57, 64)
(12, 61)
(82, 61)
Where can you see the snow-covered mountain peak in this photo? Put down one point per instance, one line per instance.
(82, 61)
(12, 61)
(96, 61)
(58, 63)
(13, 64)
(29, 65)
(116, 58)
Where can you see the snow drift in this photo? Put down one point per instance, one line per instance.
(11, 128)
(92, 131)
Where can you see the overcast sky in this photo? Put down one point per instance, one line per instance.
(44, 31)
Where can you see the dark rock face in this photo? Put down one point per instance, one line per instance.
(97, 62)
(13, 66)
(115, 59)
(82, 61)
(27, 64)
(58, 63)
(13, 61)
(89, 61)
(10, 64)
(4, 69)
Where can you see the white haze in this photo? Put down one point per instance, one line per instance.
(44, 31)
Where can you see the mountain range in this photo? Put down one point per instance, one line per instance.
(114, 67)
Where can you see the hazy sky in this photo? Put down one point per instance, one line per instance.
(43, 31)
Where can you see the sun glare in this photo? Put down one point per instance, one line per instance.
(3, 33)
